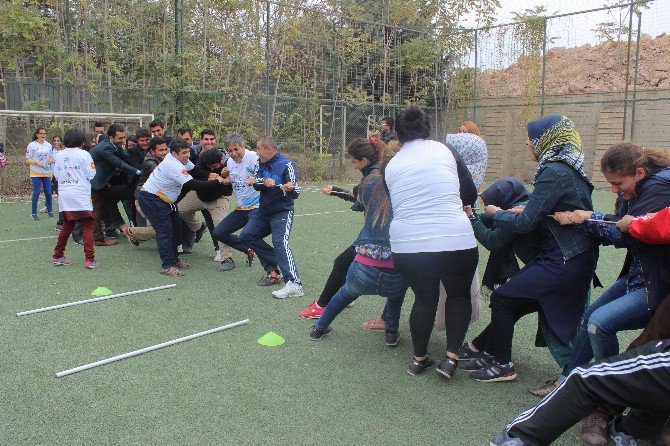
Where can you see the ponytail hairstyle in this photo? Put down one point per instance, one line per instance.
(37, 131)
(376, 151)
(472, 128)
(625, 158)
(361, 148)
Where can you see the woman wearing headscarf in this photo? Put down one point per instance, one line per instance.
(505, 247)
(472, 149)
(556, 281)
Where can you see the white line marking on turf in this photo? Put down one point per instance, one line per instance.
(55, 236)
(320, 213)
(28, 239)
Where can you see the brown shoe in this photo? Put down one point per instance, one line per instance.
(106, 242)
(544, 389)
(172, 271)
(594, 431)
(181, 264)
(376, 324)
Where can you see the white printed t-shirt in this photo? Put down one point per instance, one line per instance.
(428, 216)
(247, 196)
(40, 153)
(74, 170)
(167, 179)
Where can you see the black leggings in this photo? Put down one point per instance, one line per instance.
(338, 275)
(424, 271)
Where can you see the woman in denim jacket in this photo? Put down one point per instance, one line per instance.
(372, 271)
(567, 259)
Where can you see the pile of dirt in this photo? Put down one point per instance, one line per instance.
(584, 69)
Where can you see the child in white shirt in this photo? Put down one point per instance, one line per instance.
(74, 169)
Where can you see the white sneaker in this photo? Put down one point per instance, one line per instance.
(179, 249)
(290, 290)
(217, 257)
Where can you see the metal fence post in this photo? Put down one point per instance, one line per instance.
(544, 66)
(474, 93)
(268, 130)
(625, 95)
(637, 60)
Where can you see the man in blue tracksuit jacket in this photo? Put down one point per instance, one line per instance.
(277, 181)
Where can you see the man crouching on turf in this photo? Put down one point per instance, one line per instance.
(157, 200)
(277, 181)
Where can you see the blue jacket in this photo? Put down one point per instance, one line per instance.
(653, 194)
(558, 188)
(273, 199)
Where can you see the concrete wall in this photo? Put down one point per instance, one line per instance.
(598, 117)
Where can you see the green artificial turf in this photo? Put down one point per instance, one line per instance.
(225, 388)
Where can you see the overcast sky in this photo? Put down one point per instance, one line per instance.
(655, 19)
(499, 51)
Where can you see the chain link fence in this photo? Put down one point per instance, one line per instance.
(604, 68)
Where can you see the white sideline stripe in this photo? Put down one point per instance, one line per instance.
(55, 236)
(151, 348)
(28, 239)
(320, 213)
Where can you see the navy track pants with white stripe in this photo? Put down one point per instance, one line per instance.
(279, 225)
(638, 378)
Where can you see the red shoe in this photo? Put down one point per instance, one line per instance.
(312, 311)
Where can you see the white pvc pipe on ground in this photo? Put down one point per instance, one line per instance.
(148, 349)
(97, 299)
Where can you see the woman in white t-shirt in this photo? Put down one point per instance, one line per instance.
(40, 156)
(431, 237)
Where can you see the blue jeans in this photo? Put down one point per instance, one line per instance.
(236, 220)
(615, 310)
(367, 280)
(166, 222)
(40, 183)
(279, 225)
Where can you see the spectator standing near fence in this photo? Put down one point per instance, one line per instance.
(40, 156)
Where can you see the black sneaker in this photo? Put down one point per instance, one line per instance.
(392, 338)
(227, 265)
(272, 278)
(112, 233)
(504, 439)
(494, 372)
(417, 366)
(34, 217)
(447, 367)
(467, 353)
(200, 232)
(478, 363)
(317, 334)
